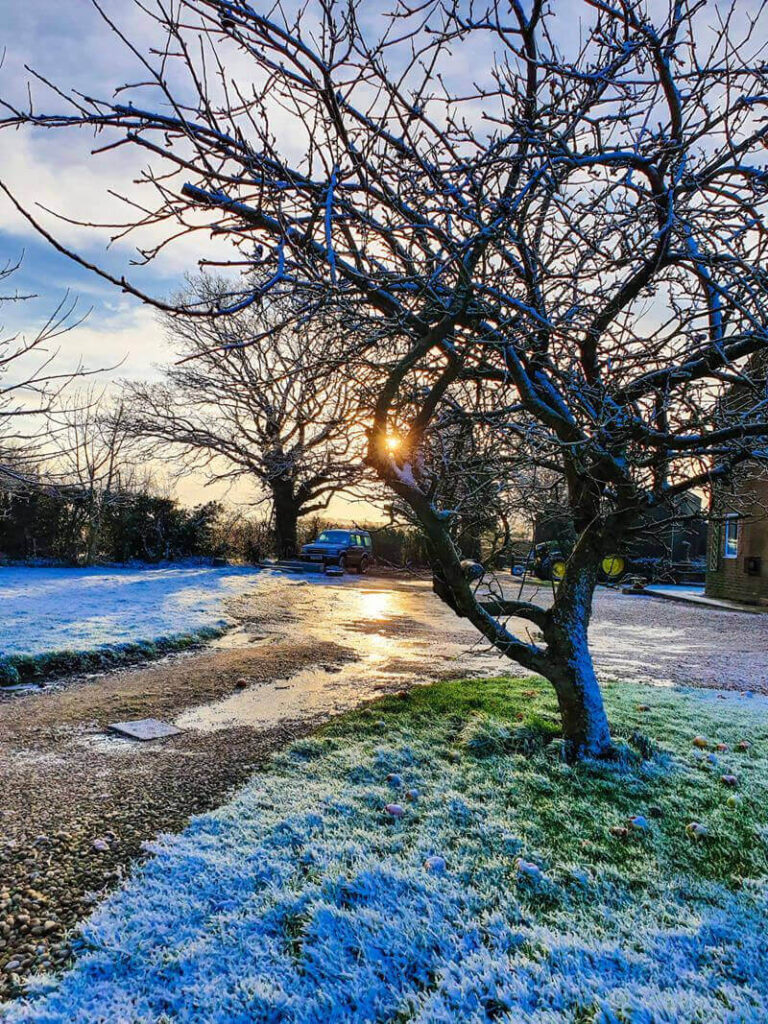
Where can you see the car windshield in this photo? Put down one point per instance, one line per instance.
(333, 537)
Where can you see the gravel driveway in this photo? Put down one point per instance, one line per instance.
(398, 633)
(655, 640)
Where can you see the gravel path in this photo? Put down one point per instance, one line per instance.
(650, 639)
(78, 804)
(654, 640)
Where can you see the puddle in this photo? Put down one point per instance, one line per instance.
(399, 634)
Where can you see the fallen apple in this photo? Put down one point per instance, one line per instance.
(436, 865)
(696, 830)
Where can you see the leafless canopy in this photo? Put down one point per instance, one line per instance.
(90, 460)
(263, 393)
(554, 221)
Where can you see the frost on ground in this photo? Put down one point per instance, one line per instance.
(431, 859)
(56, 609)
(397, 627)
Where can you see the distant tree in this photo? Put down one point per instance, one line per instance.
(259, 394)
(150, 527)
(575, 227)
(242, 536)
(90, 459)
(34, 519)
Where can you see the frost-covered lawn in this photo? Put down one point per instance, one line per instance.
(500, 893)
(55, 609)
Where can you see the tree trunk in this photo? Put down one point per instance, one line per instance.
(585, 724)
(570, 667)
(286, 512)
(565, 661)
(92, 534)
(92, 538)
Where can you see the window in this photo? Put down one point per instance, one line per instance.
(366, 540)
(333, 537)
(731, 537)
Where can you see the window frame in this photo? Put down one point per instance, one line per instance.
(731, 531)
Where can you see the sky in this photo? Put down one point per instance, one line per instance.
(69, 43)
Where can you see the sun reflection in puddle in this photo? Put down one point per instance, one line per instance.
(398, 635)
(375, 604)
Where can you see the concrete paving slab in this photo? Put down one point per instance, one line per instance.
(144, 729)
(696, 595)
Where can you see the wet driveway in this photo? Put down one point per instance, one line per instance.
(396, 632)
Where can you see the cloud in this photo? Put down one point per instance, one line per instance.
(72, 47)
(49, 172)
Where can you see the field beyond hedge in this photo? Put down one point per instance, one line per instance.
(432, 859)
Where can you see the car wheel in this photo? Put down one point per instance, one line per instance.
(343, 563)
(363, 566)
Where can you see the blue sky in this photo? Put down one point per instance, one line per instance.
(69, 43)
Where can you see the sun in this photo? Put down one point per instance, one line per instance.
(392, 443)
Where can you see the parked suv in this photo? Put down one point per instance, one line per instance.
(349, 549)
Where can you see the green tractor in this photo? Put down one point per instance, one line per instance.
(548, 562)
(668, 543)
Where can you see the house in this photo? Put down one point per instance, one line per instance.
(737, 563)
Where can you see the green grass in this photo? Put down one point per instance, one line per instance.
(304, 901)
(567, 811)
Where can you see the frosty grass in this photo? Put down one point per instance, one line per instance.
(60, 609)
(500, 894)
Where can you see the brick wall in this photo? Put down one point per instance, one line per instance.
(727, 577)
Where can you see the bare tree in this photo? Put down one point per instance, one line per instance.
(478, 473)
(90, 458)
(259, 394)
(576, 228)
